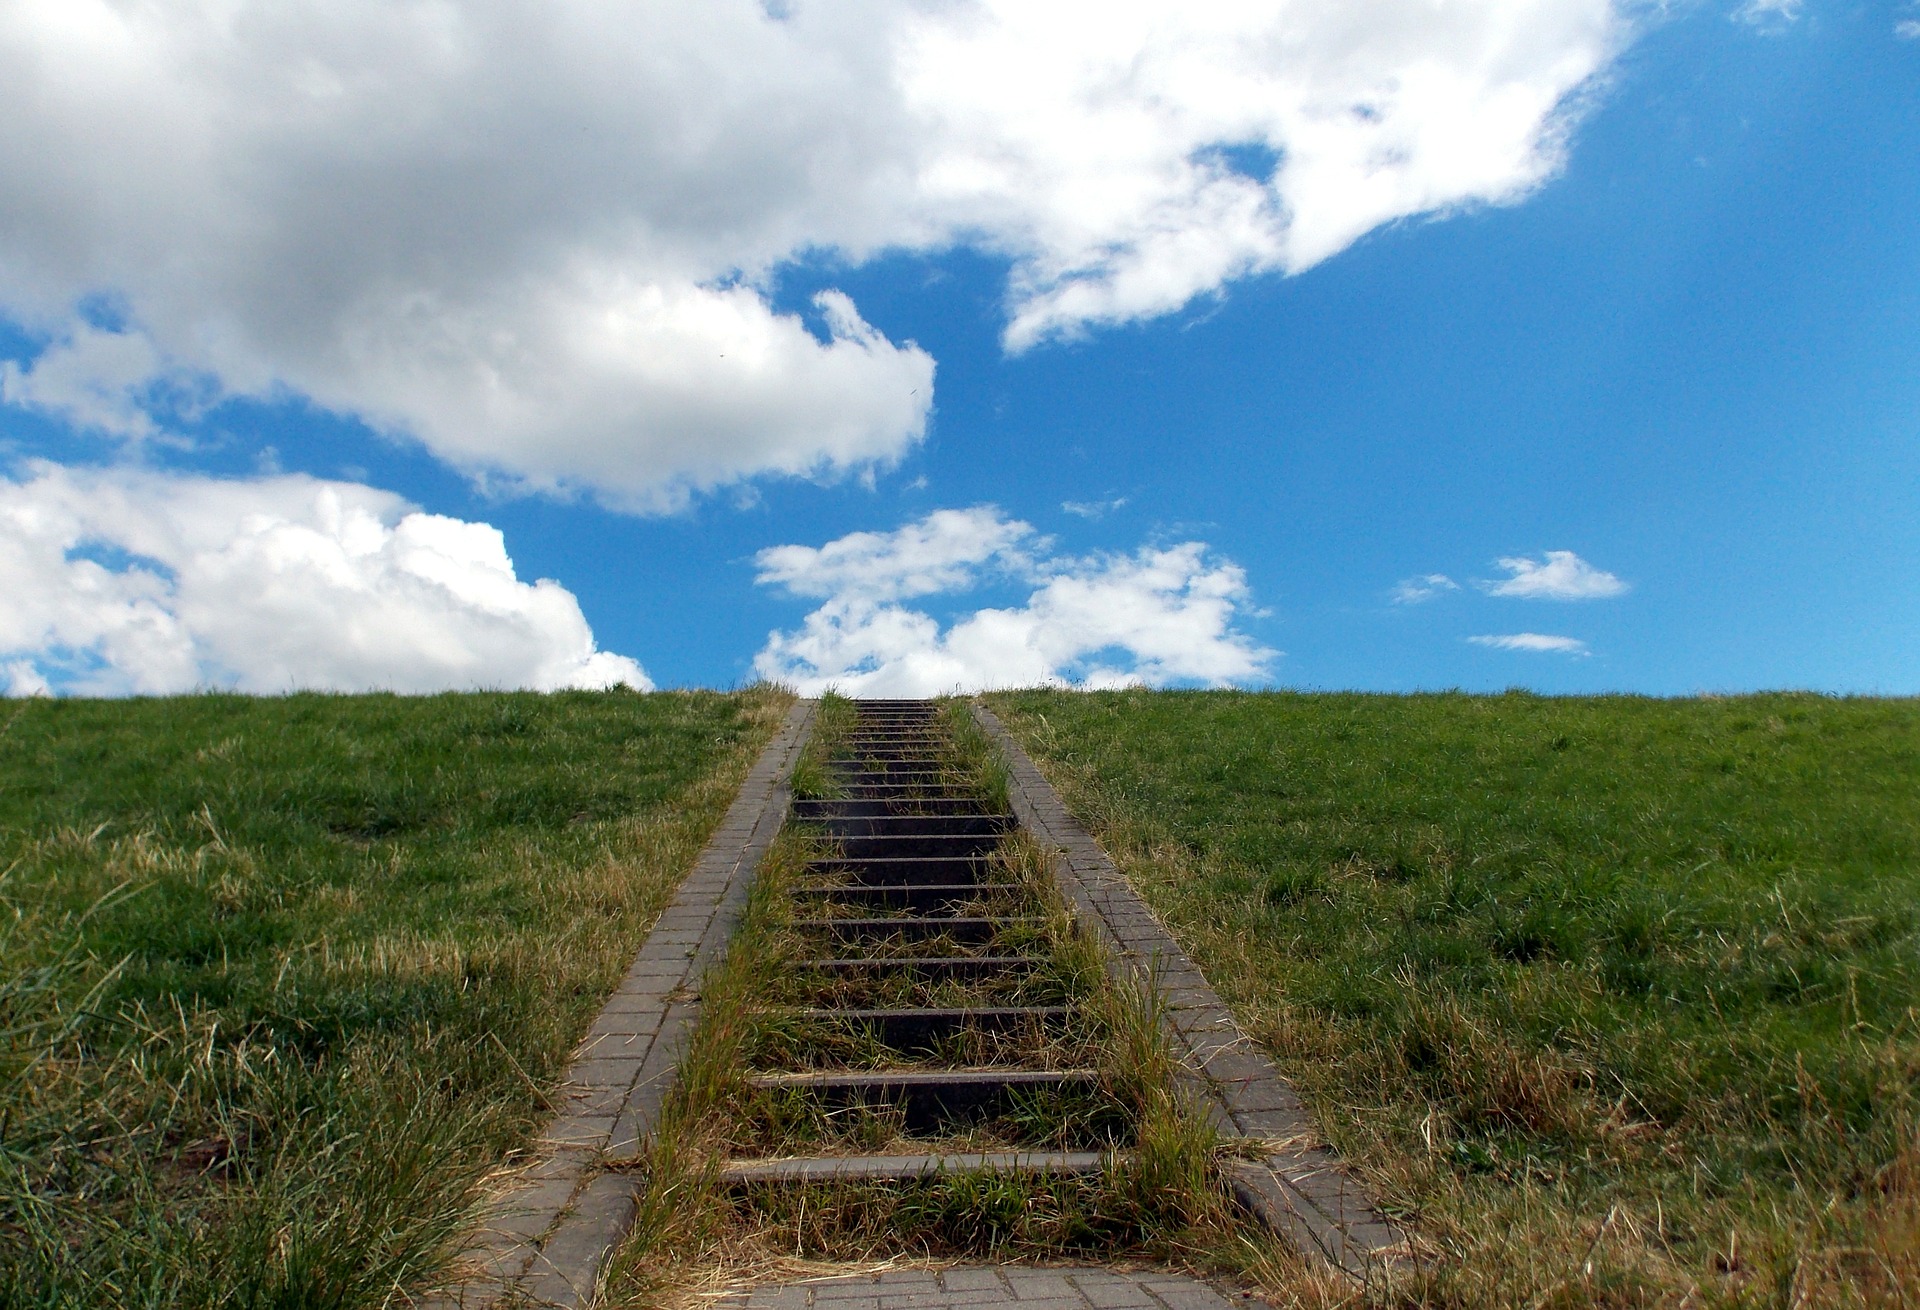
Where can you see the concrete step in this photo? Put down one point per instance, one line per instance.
(895, 845)
(888, 773)
(923, 1029)
(900, 870)
(882, 807)
(930, 1099)
(906, 1168)
(920, 898)
(908, 793)
(920, 825)
(930, 968)
(966, 929)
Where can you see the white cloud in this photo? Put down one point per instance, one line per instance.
(1093, 509)
(1561, 575)
(1907, 29)
(1411, 591)
(1533, 641)
(94, 379)
(1768, 15)
(25, 680)
(540, 237)
(1158, 616)
(942, 552)
(117, 581)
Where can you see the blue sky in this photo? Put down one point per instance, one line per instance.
(1684, 348)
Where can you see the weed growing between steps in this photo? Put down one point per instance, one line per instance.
(1617, 999)
(833, 719)
(283, 980)
(975, 757)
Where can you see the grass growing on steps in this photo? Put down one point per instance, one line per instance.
(1618, 999)
(694, 1237)
(833, 721)
(282, 980)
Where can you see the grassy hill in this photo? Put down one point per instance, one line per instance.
(1615, 997)
(280, 978)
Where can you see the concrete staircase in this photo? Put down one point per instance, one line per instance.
(923, 1027)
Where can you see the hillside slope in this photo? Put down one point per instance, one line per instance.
(1615, 997)
(281, 979)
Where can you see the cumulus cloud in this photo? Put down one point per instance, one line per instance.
(115, 581)
(1158, 616)
(541, 237)
(1533, 641)
(1411, 591)
(1561, 575)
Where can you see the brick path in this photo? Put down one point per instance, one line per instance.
(1071, 1288)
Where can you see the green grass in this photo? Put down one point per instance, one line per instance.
(283, 980)
(1614, 998)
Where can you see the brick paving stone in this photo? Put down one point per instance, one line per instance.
(528, 1211)
(602, 1070)
(615, 1045)
(567, 1270)
(578, 1130)
(1113, 1291)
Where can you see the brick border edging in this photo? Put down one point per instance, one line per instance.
(548, 1238)
(1299, 1190)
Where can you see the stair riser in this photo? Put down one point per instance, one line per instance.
(948, 898)
(921, 1033)
(906, 871)
(989, 826)
(827, 811)
(951, 969)
(927, 1110)
(909, 845)
(877, 932)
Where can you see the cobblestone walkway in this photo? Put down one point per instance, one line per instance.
(1073, 1288)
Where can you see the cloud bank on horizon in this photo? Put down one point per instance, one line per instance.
(541, 239)
(1157, 617)
(119, 581)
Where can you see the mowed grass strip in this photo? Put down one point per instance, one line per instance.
(1614, 998)
(282, 981)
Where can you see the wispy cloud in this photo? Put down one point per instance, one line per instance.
(1093, 509)
(1561, 575)
(1533, 641)
(1907, 29)
(1768, 15)
(1411, 591)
